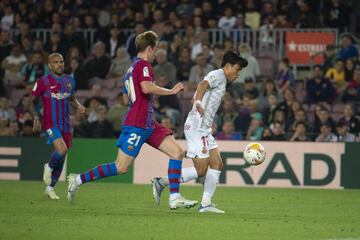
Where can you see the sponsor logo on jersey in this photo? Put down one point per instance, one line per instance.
(69, 86)
(146, 72)
(60, 96)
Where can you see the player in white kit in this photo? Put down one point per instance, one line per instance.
(201, 145)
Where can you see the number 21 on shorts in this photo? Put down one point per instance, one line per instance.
(134, 139)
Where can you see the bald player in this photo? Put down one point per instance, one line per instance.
(56, 91)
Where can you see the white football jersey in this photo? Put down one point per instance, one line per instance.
(212, 98)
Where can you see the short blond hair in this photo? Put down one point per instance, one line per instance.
(145, 39)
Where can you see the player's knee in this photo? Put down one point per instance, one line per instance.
(62, 151)
(121, 169)
(202, 171)
(179, 154)
(218, 166)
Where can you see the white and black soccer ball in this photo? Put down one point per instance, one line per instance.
(254, 154)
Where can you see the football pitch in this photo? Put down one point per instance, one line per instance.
(126, 211)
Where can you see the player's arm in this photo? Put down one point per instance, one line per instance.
(148, 87)
(200, 92)
(76, 104)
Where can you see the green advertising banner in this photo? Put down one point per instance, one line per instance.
(88, 153)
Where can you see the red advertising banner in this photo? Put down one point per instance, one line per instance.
(307, 47)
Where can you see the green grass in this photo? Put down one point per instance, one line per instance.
(124, 211)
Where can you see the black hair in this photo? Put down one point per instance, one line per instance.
(233, 57)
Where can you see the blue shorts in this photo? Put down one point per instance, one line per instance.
(131, 139)
(54, 133)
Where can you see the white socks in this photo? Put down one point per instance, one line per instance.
(211, 180)
(187, 174)
(78, 179)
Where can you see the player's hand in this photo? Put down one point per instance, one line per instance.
(177, 88)
(36, 125)
(82, 109)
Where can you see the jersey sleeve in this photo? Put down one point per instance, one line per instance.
(38, 87)
(73, 84)
(212, 80)
(144, 72)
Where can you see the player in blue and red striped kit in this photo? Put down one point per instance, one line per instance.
(57, 94)
(139, 126)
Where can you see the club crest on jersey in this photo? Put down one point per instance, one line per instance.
(69, 86)
(130, 148)
(146, 72)
(49, 131)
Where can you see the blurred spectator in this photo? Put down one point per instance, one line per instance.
(55, 44)
(26, 46)
(300, 133)
(98, 65)
(299, 116)
(73, 38)
(4, 125)
(289, 121)
(130, 42)
(228, 132)
(167, 105)
(278, 132)
(199, 71)
(337, 75)
(241, 25)
(305, 18)
(349, 70)
(324, 117)
(167, 122)
(325, 133)
(35, 69)
(348, 48)
(117, 113)
(352, 91)
(269, 87)
(252, 70)
(14, 129)
(255, 129)
(5, 110)
(336, 15)
(27, 129)
(267, 134)
(77, 71)
(79, 124)
(164, 67)
(281, 20)
(216, 59)
(319, 89)
(12, 65)
(185, 7)
(96, 94)
(342, 133)
(228, 112)
(7, 19)
(352, 123)
(101, 128)
(184, 65)
(158, 25)
(38, 46)
(92, 109)
(269, 111)
(175, 48)
(73, 52)
(113, 43)
(5, 45)
(250, 88)
(197, 48)
(289, 98)
(119, 65)
(168, 32)
(279, 116)
(284, 77)
(227, 21)
(252, 16)
(329, 57)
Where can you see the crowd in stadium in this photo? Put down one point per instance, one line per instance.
(317, 108)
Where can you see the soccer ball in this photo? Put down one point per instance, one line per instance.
(254, 154)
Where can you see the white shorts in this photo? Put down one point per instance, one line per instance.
(199, 142)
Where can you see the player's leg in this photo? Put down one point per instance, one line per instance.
(211, 181)
(129, 144)
(53, 168)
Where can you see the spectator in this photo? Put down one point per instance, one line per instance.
(167, 122)
(164, 67)
(281, 20)
(23, 106)
(113, 43)
(197, 48)
(319, 89)
(267, 134)
(77, 71)
(300, 133)
(240, 26)
(349, 70)
(95, 94)
(5, 110)
(158, 25)
(306, 18)
(255, 129)
(228, 132)
(7, 19)
(26, 46)
(98, 65)
(279, 116)
(348, 48)
(35, 69)
(269, 111)
(252, 16)
(13, 129)
(55, 44)
(252, 70)
(299, 116)
(329, 57)
(175, 48)
(130, 42)
(352, 92)
(72, 38)
(289, 121)
(190, 38)
(119, 65)
(79, 124)
(278, 132)
(185, 8)
(352, 123)
(101, 128)
(117, 113)
(167, 105)
(337, 75)
(12, 65)
(268, 12)
(73, 52)
(217, 56)
(4, 125)
(324, 117)
(227, 21)
(269, 87)
(184, 65)
(336, 15)
(284, 77)
(27, 129)
(38, 46)
(250, 88)
(5, 45)
(325, 133)
(342, 133)
(289, 98)
(199, 71)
